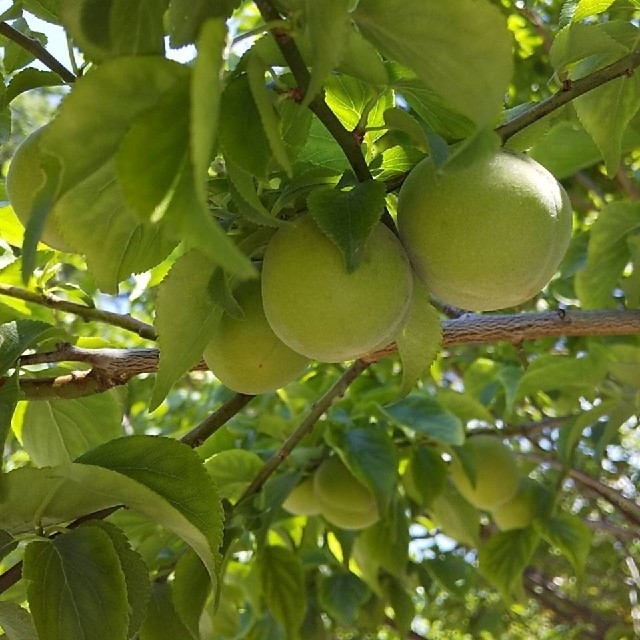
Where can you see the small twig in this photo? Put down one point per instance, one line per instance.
(126, 322)
(217, 419)
(35, 48)
(317, 410)
(576, 88)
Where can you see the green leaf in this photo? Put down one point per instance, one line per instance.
(191, 588)
(605, 113)
(263, 98)
(587, 8)
(162, 621)
(361, 60)
(233, 470)
(370, 455)
(328, 24)
(420, 338)
(607, 254)
(322, 150)
(504, 557)
(455, 517)
(422, 413)
(187, 19)
(426, 474)
(163, 480)
(242, 122)
(452, 572)
(348, 216)
(16, 622)
(15, 56)
(624, 365)
(569, 534)
(342, 595)
(57, 431)
(9, 396)
(282, 582)
(185, 319)
(16, 337)
(76, 587)
(136, 573)
(461, 51)
(49, 501)
(206, 89)
(115, 28)
(44, 9)
(556, 372)
(28, 79)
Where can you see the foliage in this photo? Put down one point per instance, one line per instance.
(140, 497)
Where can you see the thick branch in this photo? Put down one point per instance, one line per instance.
(576, 88)
(83, 311)
(112, 367)
(35, 48)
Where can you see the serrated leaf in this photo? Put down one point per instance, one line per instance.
(44, 9)
(342, 595)
(57, 431)
(462, 51)
(422, 413)
(504, 557)
(282, 582)
(370, 455)
(233, 470)
(420, 338)
(136, 573)
(570, 535)
(116, 28)
(322, 150)
(625, 364)
(162, 621)
(76, 587)
(16, 622)
(452, 572)
(605, 113)
(350, 99)
(401, 120)
(587, 8)
(114, 243)
(191, 588)
(361, 60)
(163, 480)
(28, 79)
(185, 319)
(328, 24)
(263, 98)
(15, 56)
(348, 216)
(186, 19)
(17, 336)
(242, 122)
(607, 254)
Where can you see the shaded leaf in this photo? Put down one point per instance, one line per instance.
(191, 588)
(233, 470)
(16, 337)
(186, 19)
(570, 535)
(342, 595)
(162, 622)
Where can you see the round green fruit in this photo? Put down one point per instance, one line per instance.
(25, 178)
(489, 236)
(324, 312)
(344, 501)
(496, 472)
(302, 500)
(246, 355)
(518, 512)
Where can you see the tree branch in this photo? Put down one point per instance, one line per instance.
(85, 312)
(576, 88)
(35, 48)
(113, 367)
(317, 410)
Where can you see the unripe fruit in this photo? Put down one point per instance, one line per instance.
(302, 500)
(496, 473)
(319, 309)
(24, 179)
(486, 237)
(344, 501)
(518, 512)
(245, 355)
